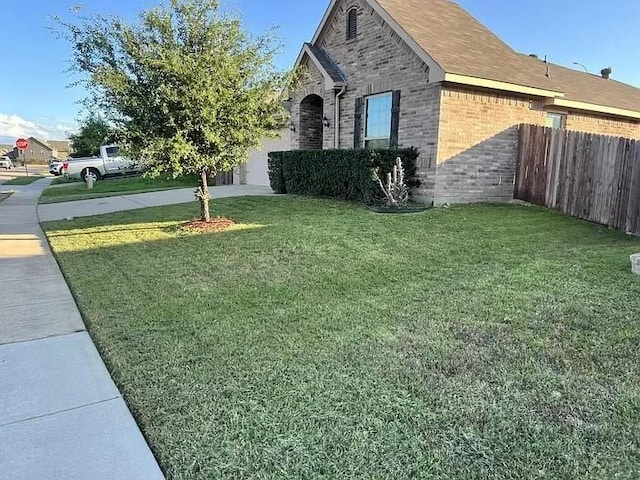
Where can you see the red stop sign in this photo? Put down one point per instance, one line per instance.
(22, 144)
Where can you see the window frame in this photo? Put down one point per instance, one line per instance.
(561, 115)
(366, 137)
(352, 24)
(112, 151)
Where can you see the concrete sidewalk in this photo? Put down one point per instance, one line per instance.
(61, 416)
(98, 206)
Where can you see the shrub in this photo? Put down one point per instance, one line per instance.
(276, 175)
(342, 174)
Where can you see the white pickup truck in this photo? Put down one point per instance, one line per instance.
(107, 164)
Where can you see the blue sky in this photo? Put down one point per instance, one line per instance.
(35, 99)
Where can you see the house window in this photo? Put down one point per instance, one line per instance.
(352, 23)
(555, 120)
(378, 121)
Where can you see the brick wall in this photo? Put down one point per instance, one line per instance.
(478, 144)
(478, 141)
(593, 123)
(311, 128)
(377, 61)
(311, 83)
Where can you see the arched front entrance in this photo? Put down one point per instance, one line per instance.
(311, 127)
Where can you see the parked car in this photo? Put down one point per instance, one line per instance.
(5, 162)
(108, 163)
(55, 167)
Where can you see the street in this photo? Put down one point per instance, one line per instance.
(34, 170)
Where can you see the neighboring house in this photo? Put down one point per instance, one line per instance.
(41, 151)
(5, 149)
(427, 74)
(61, 148)
(38, 151)
(12, 154)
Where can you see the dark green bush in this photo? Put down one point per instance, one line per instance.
(276, 175)
(342, 174)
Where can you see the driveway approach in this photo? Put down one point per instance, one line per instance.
(61, 416)
(98, 206)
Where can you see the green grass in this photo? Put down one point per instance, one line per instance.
(319, 340)
(112, 186)
(22, 180)
(62, 180)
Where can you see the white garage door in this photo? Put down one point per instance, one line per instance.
(256, 169)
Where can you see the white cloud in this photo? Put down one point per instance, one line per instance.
(13, 127)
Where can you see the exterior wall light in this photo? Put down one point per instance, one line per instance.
(325, 122)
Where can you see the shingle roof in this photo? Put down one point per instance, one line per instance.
(60, 145)
(41, 142)
(328, 65)
(462, 45)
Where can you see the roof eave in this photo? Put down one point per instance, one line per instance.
(552, 97)
(329, 82)
(592, 107)
(498, 85)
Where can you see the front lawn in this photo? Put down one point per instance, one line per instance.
(66, 192)
(22, 180)
(319, 340)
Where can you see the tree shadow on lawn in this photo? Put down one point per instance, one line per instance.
(163, 214)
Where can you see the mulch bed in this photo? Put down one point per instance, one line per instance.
(389, 209)
(214, 225)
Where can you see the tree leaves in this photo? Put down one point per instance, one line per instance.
(94, 132)
(187, 88)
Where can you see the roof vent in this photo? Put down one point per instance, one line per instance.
(533, 55)
(606, 72)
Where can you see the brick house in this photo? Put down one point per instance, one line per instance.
(427, 74)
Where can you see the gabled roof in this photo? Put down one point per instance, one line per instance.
(328, 65)
(446, 36)
(41, 142)
(462, 45)
(333, 76)
(60, 145)
(581, 86)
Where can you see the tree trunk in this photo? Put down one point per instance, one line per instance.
(202, 194)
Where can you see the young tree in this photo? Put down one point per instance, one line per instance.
(188, 89)
(94, 132)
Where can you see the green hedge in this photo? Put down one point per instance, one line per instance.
(342, 174)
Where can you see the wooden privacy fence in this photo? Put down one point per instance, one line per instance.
(594, 177)
(224, 178)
